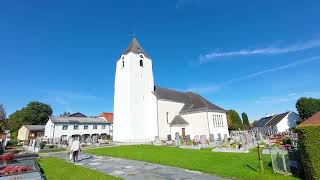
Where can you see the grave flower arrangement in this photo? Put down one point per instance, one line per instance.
(5, 158)
(9, 170)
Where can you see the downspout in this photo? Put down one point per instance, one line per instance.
(53, 130)
(208, 123)
(158, 120)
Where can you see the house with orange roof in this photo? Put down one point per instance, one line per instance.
(311, 121)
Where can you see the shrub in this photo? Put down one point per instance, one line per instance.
(286, 141)
(42, 145)
(12, 143)
(309, 146)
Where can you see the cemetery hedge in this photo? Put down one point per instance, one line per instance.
(309, 146)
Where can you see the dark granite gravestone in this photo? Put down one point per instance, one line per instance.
(169, 137)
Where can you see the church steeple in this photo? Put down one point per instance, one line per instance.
(135, 47)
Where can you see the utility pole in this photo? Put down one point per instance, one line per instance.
(260, 159)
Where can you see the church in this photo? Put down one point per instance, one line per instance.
(144, 111)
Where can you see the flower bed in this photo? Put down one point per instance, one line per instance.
(10, 170)
(6, 157)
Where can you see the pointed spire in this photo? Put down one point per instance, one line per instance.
(135, 47)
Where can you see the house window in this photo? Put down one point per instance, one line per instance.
(65, 127)
(122, 64)
(141, 63)
(85, 127)
(76, 127)
(167, 116)
(103, 127)
(95, 126)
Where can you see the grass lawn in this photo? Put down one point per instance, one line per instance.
(231, 165)
(54, 168)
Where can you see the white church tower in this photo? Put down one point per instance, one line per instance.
(135, 118)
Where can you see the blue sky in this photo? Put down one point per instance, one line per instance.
(255, 57)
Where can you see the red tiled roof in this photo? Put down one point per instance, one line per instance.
(312, 121)
(108, 116)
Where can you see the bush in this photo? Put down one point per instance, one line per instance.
(14, 135)
(12, 143)
(309, 146)
(42, 145)
(286, 141)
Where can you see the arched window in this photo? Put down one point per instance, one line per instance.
(122, 64)
(141, 63)
(167, 116)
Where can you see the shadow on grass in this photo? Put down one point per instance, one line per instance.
(42, 172)
(251, 168)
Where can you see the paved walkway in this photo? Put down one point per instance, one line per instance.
(135, 170)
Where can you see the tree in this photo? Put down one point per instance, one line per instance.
(307, 107)
(245, 120)
(2, 112)
(65, 114)
(34, 113)
(236, 122)
(229, 121)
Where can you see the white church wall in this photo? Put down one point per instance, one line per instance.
(218, 124)
(134, 107)
(122, 112)
(198, 124)
(173, 109)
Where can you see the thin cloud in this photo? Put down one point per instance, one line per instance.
(203, 89)
(290, 65)
(211, 88)
(261, 51)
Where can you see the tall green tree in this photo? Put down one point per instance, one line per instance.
(245, 120)
(2, 112)
(65, 114)
(307, 107)
(34, 113)
(236, 122)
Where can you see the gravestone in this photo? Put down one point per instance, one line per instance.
(211, 137)
(203, 139)
(219, 137)
(157, 140)
(177, 139)
(188, 139)
(169, 137)
(196, 139)
(225, 138)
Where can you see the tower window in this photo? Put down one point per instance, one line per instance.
(141, 63)
(122, 64)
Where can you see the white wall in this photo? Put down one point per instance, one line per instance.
(54, 130)
(134, 104)
(200, 123)
(290, 121)
(173, 109)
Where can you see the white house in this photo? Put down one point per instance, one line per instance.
(277, 123)
(143, 111)
(76, 125)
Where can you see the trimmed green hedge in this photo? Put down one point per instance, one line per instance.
(309, 146)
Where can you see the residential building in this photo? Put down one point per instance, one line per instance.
(143, 111)
(277, 123)
(27, 132)
(108, 116)
(76, 125)
(314, 120)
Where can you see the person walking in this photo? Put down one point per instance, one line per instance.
(75, 148)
